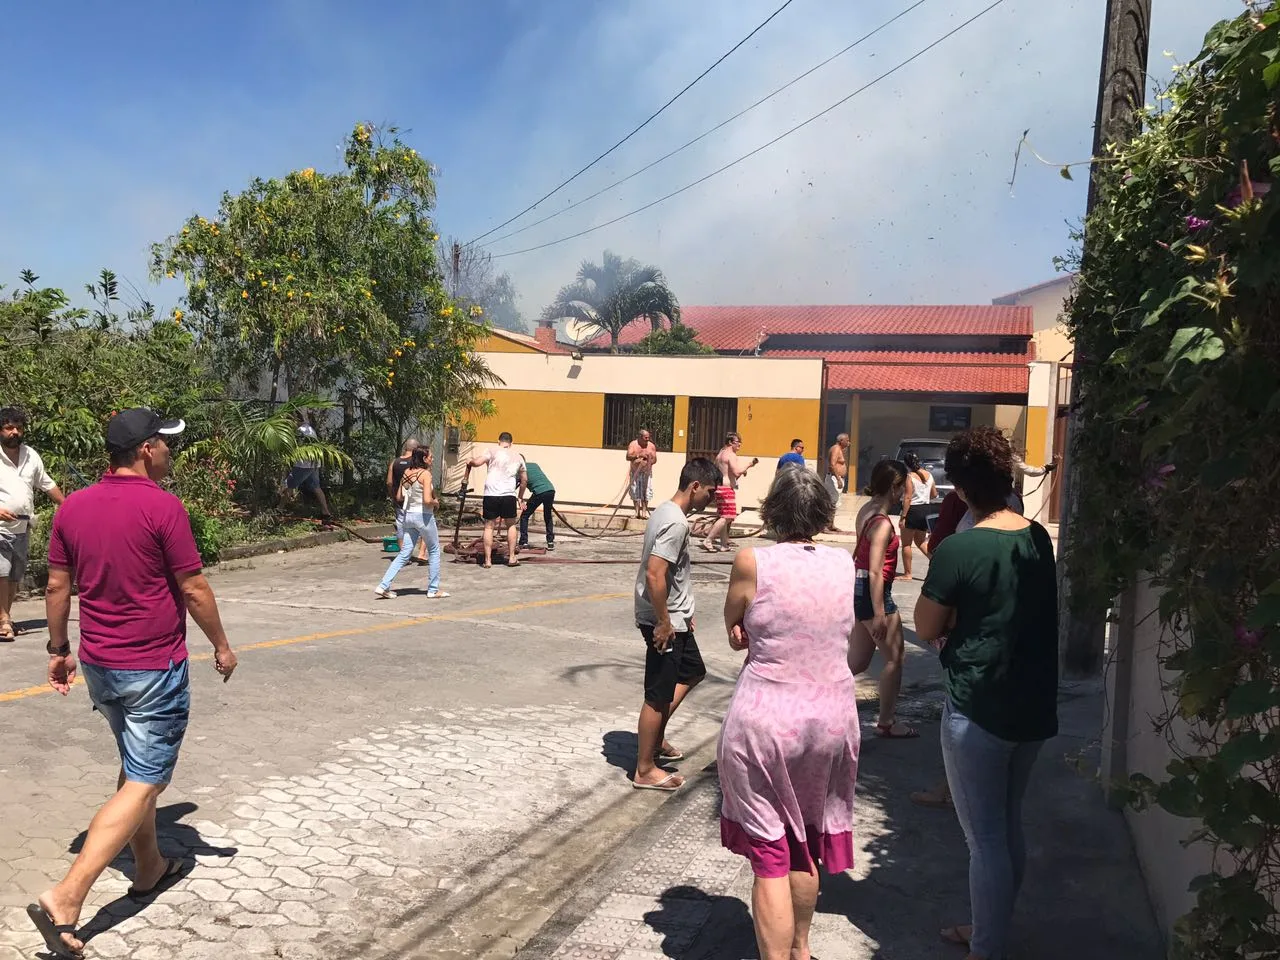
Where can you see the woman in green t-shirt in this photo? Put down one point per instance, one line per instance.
(991, 597)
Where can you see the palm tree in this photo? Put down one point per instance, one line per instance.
(614, 294)
(259, 441)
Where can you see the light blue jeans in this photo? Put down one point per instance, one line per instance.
(416, 526)
(988, 778)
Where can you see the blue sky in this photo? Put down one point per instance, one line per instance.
(123, 119)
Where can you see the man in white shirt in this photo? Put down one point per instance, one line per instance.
(504, 484)
(21, 472)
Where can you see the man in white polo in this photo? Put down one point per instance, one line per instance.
(21, 472)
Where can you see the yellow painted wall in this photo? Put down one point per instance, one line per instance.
(768, 425)
(1037, 425)
(680, 435)
(855, 444)
(496, 344)
(545, 417)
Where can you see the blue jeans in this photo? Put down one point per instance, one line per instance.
(416, 526)
(988, 778)
(147, 711)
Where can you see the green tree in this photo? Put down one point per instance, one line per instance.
(70, 375)
(259, 441)
(319, 278)
(1176, 310)
(677, 340)
(615, 293)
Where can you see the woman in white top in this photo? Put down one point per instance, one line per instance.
(418, 499)
(915, 509)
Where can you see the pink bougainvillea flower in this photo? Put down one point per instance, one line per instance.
(1249, 639)
(1158, 479)
(1196, 224)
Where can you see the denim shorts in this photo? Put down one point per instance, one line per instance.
(147, 711)
(862, 608)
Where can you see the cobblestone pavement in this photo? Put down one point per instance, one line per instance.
(401, 778)
(674, 891)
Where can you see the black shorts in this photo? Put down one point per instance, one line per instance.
(504, 508)
(304, 479)
(863, 609)
(918, 516)
(681, 663)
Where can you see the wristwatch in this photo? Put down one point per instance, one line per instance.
(62, 651)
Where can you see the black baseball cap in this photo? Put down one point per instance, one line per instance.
(130, 428)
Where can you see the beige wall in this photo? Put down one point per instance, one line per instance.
(1046, 302)
(600, 476)
(1012, 421)
(1039, 424)
(884, 423)
(1131, 745)
(778, 399)
(662, 376)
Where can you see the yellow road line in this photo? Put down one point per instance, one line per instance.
(26, 692)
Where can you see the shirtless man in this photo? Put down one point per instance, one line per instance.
(732, 469)
(642, 454)
(837, 467)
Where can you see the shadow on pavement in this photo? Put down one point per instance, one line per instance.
(619, 750)
(177, 840)
(1083, 894)
(686, 909)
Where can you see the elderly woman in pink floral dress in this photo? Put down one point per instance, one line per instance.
(788, 754)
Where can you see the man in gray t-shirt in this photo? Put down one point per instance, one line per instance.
(664, 614)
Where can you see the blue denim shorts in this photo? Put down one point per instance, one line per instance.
(148, 711)
(862, 608)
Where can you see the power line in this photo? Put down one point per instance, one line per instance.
(762, 147)
(702, 136)
(653, 116)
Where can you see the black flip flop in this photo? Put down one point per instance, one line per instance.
(173, 872)
(52, 932)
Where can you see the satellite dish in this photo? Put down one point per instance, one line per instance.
(580, 331)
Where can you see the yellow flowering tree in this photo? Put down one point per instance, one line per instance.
(318, 279)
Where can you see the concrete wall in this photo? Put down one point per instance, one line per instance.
(554, 407)
(1040, 413)
(883, 423)
(1136, 694)
(1046, 302)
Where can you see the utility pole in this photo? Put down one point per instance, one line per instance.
(1121, 92)
(457, 265)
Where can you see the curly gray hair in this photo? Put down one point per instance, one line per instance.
(798, 506)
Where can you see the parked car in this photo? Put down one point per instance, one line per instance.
(932, 454)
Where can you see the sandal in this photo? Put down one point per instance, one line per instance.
(172, 874)
(956, 935)
(7, 633)
(52, 932)
(932, 800)
(885, 731)
(668, 784)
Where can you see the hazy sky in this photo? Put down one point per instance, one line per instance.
(123, 119)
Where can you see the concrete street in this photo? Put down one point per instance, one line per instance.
(447, 779)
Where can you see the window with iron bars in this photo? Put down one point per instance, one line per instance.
(626, 413)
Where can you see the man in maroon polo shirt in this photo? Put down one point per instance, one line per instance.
(128, 546)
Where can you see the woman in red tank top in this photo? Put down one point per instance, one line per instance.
(875, 563)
